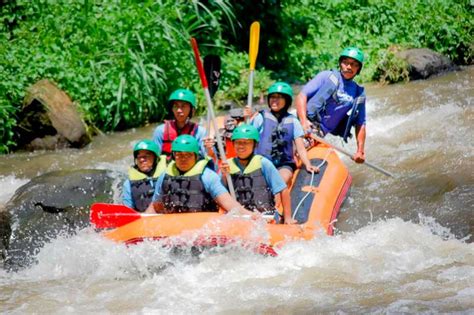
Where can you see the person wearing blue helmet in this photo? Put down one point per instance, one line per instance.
(281, 133)
(333, 103)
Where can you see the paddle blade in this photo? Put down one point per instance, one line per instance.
(105, 215)
(212, 69)
(199, 66)
(253, 46)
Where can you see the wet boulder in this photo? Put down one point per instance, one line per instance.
(424, 62)
(51, 204)
(49, 120)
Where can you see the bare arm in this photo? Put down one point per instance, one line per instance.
(359, 157)
(286, 204)
(301, 150)
(301, 104)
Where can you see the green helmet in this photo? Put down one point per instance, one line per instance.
(185, 143)
(146, 145)
(183, 95)
(354, 53)
(245, 131)
(282, 88)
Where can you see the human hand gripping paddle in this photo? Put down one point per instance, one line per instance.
(253, 52)
(210, 109)
(375, 167)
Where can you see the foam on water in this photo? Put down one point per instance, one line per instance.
(8, 186)
(419, 266)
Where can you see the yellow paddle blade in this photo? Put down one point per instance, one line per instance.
(253, 47)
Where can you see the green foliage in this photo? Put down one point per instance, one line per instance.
(118, 60)
(7, 123)
(390, 68)
(234, 84)
(319, 30)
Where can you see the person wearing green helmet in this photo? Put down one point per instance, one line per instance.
(281, 133)
(181, 104)
(256, 180)
(138, 189)
(333, 103)
(189, 184)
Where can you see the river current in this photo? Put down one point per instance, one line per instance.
(402, 245)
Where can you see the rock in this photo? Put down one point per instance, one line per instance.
(50, 120)
(5, 232)
(51, 204)
(424, 62)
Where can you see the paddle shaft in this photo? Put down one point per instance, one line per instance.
(220, 146)
(375, 167)
(148, 215)
(210, 110)
(250, 95)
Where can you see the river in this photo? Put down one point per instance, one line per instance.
(402, 245)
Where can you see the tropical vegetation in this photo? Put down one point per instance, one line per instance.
(118, 60)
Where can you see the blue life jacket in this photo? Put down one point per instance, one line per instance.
(337, 114)
(276, 138)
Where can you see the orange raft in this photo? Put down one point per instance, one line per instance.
(316, 201)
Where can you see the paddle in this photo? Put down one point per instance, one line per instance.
(105, 215)
(375, 167)
(212, 69)
(210, 109)
(253, 52)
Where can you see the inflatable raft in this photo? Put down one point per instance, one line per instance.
(316, 201)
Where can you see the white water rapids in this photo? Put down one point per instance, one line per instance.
(403, 245)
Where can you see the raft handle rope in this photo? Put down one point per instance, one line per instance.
(311, 184)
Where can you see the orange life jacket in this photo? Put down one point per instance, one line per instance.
(171, 132)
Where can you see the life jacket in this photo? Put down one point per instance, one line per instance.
(143, 186)
(186, 193)
(251, 188)
(276, 139)
(339, 98)
(171, 132)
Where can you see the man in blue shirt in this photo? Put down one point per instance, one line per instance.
(332, 102)
(188, 185)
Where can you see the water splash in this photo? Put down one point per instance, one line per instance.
(387, 264)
